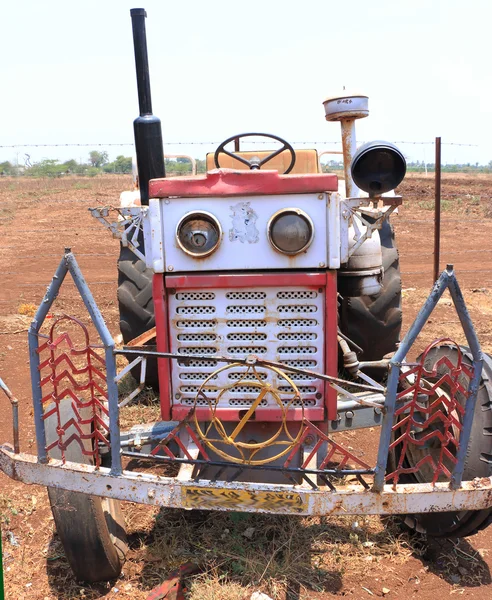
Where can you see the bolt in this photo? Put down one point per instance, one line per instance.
(151, 493)
(377, 410)
(319, 396)
(320, 196)
(309, 441)
(322, 264)
(166, 201)
(177, 396)
(170, 268)
(349, 415)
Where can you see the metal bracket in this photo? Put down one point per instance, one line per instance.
(364, 209)
(128, 226)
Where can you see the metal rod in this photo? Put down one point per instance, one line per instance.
(474, 384)
(437, 210)
(248, 467)
(15, 416)
(349, 145)
(32, 336)
(141, 351)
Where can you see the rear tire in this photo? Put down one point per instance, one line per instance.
(136, 306)
(91, 529)
(374, 322)
(478, 461)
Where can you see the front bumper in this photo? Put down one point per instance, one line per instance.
(175, 492)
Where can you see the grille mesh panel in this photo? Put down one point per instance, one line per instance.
(246, 337)
(197, 337)
(195, 376)
(301, 377)
(195, 310)
(245, 402)
(198, 324)
(274, 323)
(296, 336)
(246, 349)
(297, 323)
(245, 295)
(304, 389)
(193, 389)
(246, 323)
(297, 308)
(235, 376)
(195, 296)
(198, 363)
(296, 295)
(246, 309)
(301, 364)
(297, 350)
(200, 350)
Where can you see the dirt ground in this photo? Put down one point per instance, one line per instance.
(288, 558)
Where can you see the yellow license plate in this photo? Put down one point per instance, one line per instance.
(205, 497)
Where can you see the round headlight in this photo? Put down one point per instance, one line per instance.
(378, 167)
(290, 231)
(198, 234)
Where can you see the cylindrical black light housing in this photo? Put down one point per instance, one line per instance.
(378, 167)
(146, 127)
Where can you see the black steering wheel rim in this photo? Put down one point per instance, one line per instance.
(285, 146)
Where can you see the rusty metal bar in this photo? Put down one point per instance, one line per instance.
(236, 144)
(349, 144)
(437, 210)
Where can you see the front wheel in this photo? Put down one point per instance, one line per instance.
(91, 529)
(478, 462)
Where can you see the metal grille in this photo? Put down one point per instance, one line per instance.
(197, 337)
(241, 323)
(245, 295)
(198, 324)
(195, 296)
(269, 323)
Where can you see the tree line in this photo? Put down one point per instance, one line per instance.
(98, 163)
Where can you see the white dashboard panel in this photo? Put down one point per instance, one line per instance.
(244, 222)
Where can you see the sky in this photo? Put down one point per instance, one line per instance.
(219, 68)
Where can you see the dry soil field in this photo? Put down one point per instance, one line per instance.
(287, 557)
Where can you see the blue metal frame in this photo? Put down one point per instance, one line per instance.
(447, 280)
(68, 264)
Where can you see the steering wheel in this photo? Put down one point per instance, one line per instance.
(255, 163)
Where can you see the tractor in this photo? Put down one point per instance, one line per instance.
(263, 300)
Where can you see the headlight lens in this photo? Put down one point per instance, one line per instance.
(199, 234)
(290, 231)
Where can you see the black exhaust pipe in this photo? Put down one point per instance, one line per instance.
(146, 127)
